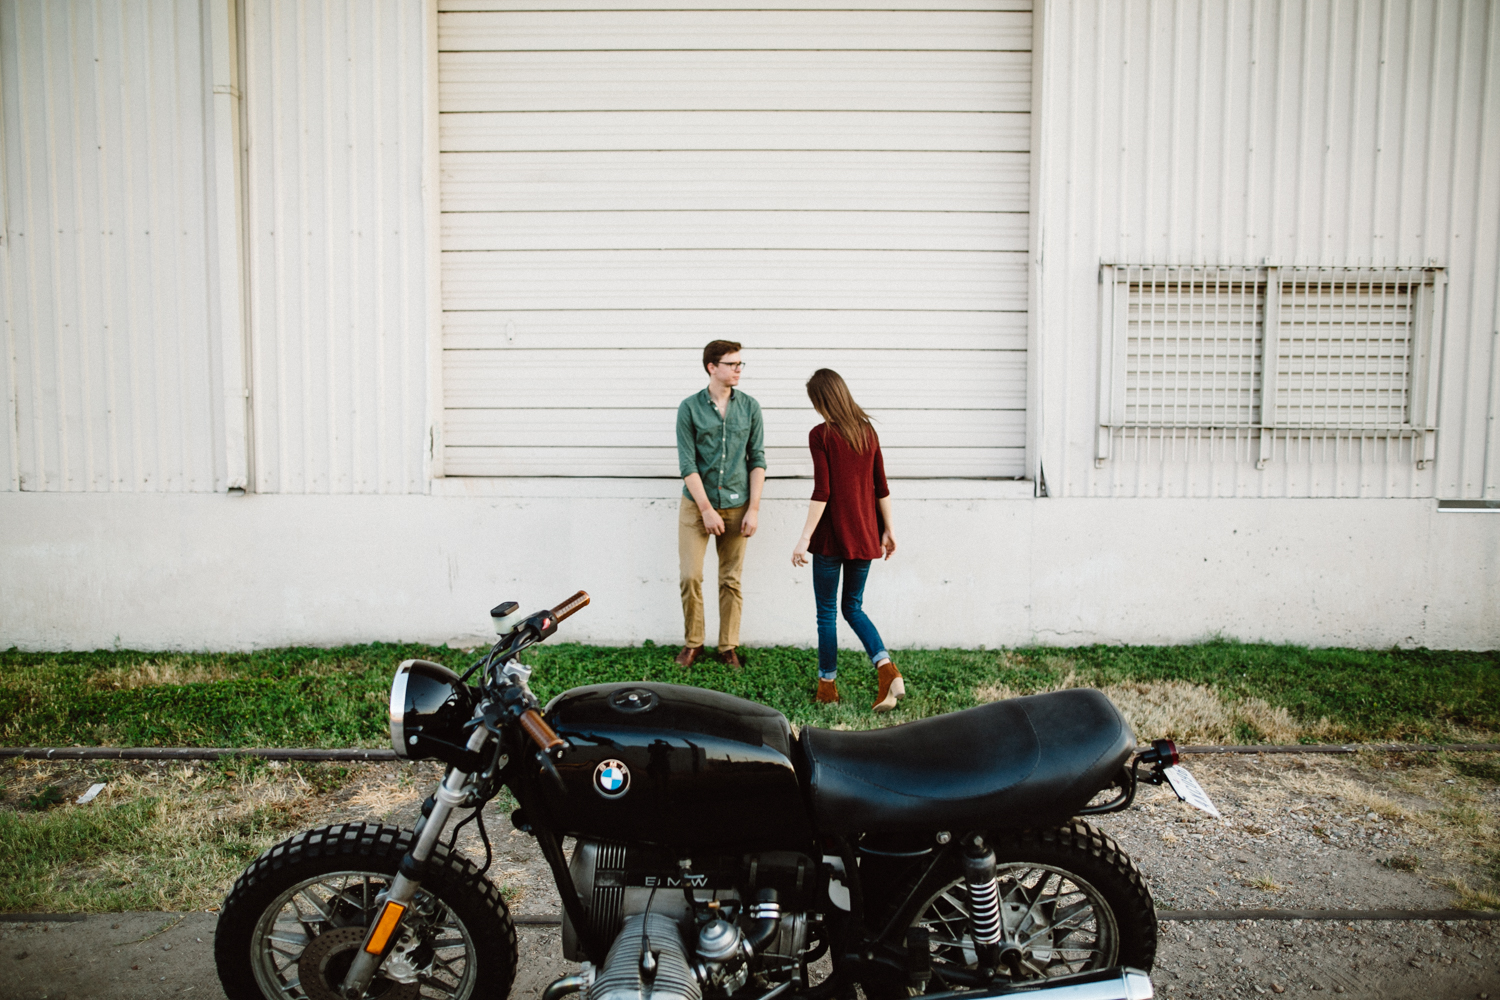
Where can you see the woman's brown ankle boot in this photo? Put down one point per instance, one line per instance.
(892, 687)
(828, 692)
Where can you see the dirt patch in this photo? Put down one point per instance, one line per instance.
(1367, 831)
(1400, 960)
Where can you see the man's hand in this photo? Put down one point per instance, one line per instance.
(888, 542)
(712, 522)
(748, 523)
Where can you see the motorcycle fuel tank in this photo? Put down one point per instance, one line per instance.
(673, 765)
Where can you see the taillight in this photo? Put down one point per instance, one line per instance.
(1166, 752)
(1163, 753)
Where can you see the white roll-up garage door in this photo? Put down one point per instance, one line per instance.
(833, 188)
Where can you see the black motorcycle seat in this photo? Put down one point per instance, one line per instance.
(1014, 763)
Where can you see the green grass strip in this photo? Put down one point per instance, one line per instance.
(337, 697)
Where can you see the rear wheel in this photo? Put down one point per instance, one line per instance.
(1070, 901)
(297, 916)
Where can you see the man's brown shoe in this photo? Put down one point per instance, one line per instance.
(732, 658)
(687, 656)
(828, 692)
(891, 687)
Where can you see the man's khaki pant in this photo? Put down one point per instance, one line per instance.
(692, 542)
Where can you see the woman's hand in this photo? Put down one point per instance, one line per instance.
(814, 515)
(887, 536)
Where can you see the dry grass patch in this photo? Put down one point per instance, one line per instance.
(381, 794)
(171, 837)
(1466, 897)
(1265, 883)
(154, 673)
(1185, 712)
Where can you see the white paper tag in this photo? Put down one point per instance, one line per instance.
(1188, 790)
(88, 796)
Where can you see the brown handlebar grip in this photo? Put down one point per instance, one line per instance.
(536, 727)
(577, 602)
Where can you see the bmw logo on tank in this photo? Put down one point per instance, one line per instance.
(611, 779)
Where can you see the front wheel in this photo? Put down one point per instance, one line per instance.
(297, 916)
(1070, 901)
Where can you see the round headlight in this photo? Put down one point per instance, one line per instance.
(429, 708)
(398, 708)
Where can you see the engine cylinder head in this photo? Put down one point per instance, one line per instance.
(622, 978)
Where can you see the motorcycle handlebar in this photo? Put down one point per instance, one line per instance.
(531, 721)
(577, 602)
(541, 734)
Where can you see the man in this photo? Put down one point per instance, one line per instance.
(722, 460)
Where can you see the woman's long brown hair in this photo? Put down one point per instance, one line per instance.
(834, 403)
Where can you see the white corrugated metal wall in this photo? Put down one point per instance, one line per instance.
(338, 310)
(1332, 133)
(832, 187)
(108, 321)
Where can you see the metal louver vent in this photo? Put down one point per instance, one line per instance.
(1308, 352)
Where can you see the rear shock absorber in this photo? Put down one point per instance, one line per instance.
(984, 901)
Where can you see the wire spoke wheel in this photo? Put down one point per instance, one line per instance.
(295, 920)
(1054, 923)
(1070, 901)
(307, 938)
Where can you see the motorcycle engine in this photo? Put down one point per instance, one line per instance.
(646, 962)
(637, 899)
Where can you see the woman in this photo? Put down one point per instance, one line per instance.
(848, 524)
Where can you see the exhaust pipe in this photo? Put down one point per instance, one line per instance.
(1121, 983)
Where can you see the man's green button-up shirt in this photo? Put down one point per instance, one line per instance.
(722, 450)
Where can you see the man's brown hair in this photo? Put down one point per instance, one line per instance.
(716, 349)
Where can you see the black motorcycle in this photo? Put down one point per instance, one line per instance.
(718, 854)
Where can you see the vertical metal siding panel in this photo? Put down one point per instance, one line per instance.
(1488, 267)
(14, 260)
(405, 404)
(109, 140)
(9, 445)
(336, 245)
(1459, 442)
(359, 33)
(110, 395)
(1323, 132)
(47, 338)
(1480, 315)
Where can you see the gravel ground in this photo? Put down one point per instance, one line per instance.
(1299, 833)
(1414, 959)
(1372, 832)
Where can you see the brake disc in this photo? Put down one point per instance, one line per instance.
(326, 960)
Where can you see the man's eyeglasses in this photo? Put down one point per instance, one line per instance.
(736, 365)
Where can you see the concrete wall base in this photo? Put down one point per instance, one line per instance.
(977, 565)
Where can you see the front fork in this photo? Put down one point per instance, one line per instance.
(450, 794)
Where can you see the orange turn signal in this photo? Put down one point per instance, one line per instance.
(390, 916)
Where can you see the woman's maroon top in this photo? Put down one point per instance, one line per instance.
(850, 483)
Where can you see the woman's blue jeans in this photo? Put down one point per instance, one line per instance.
(825, 589)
